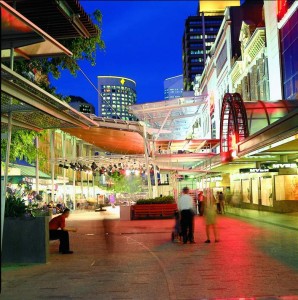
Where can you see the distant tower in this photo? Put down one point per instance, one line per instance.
(173, 87)
(116, 95)
(81, 105)
(199, 34)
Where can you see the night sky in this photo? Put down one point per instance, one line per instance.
(143, 42)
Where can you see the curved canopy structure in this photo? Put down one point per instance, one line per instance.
(241, 119)
(233, 124)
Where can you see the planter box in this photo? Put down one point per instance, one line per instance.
(153, 210)
(25, 241)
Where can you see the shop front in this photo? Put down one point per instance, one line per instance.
(264, 134)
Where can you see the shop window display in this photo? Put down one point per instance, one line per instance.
(286, 187)
(246, 190)
(266, 191)
(255, 190)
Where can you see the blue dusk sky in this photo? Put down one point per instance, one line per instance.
(143, 42)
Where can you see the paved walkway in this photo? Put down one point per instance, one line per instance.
(289, 220)
(116, 259)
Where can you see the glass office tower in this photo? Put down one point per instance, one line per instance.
(116, 95)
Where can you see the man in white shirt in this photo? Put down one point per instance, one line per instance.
(187, 212)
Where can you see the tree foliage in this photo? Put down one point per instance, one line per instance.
(23, 146)
(125, 184)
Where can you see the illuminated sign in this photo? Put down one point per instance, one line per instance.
(279, 165)
(254, 170)
(122, 81)
(282, 7)
(209, 6)
(285, 165)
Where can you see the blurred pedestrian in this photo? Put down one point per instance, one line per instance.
(187, 212)
(217, 203)
(201, 203)
(221, 198)
(210, 215)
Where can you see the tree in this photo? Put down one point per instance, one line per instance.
(126, 184)
(22, 146)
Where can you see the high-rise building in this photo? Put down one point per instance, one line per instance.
(116, 95)
(199, 35)
(81, 105)
(173, 87)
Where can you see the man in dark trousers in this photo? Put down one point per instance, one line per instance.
(58, 231)
(187, 212)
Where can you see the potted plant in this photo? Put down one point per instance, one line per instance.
(25, 233)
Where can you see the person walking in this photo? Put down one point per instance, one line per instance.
(58, 231)
(210, 215)
(217, 203)
(221, 198)
(201, 203)
(187, 212)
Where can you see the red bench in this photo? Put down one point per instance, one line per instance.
(153, 210)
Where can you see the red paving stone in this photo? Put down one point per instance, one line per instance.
(116, 259)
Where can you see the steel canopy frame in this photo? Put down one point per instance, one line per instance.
(35, 107)
(172, 118)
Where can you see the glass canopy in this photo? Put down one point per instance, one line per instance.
(171, 119)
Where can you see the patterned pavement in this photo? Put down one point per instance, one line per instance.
(255, 259)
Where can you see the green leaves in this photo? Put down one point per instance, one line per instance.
(125, 184)
(22, 145)
(14, 207)
(157, 200)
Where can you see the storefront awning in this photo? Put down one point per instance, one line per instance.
(26, 171)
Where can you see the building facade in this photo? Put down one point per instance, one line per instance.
(218, 78)
(81, 105)
(199, 34)
(116, 95)
(258, 136)
(173, 87)
(282, 42)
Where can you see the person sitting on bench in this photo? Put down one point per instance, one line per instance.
(58, 231)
